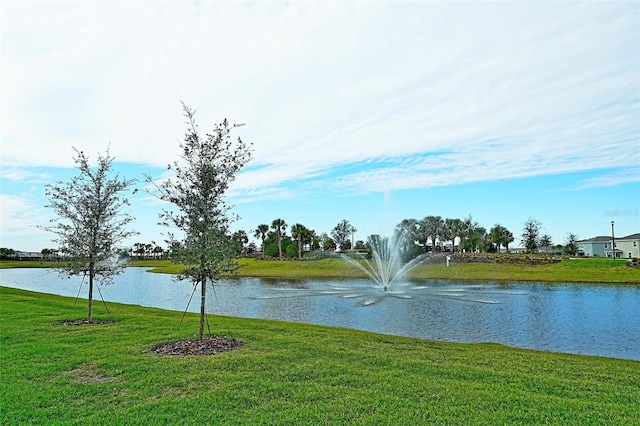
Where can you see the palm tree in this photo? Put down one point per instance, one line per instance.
(298, 232)
(280, 226)
(261, 233)
(406, 233)
(241, 239)
(508, 238)
(454, 229)
(432, 229)
(497, 235)
(407, 229)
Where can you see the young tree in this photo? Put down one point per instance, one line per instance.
(341, 232)
(545, 241)
(571, 244)
(325, 241)
(209, 165)
(90, 222)
(531, 234)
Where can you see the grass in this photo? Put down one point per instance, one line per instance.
(285, 374)
(569, 270)
(589, 270)
(7, 264)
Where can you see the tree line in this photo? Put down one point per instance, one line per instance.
(430, 234)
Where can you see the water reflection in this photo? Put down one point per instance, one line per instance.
(586, 319)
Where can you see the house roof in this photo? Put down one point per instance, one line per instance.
(598, 239)
(630, 237)
(607, 238)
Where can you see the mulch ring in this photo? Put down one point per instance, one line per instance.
(208, 346)
(83, 322)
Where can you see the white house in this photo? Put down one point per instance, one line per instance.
(594, 246)
(627, 247)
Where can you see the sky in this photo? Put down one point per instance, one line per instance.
(369, 111)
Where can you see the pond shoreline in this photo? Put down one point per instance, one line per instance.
(572, 270)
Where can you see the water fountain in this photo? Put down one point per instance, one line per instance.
(385, 266)
(385, 272)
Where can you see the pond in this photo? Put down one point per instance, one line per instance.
(587, 319)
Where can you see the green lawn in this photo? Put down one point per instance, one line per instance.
(285, 374)
(568, 270)
(594, 270)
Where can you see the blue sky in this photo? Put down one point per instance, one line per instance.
(367, 111)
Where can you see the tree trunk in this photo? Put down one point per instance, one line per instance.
(203, 293)
(91, 275)
(279, 246)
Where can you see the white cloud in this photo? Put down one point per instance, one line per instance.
(495, 90)
(24, 175)
(19, 217)
(612, 178)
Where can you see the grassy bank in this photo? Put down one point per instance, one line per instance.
(285, 374)
(8, 264)
(569, 270)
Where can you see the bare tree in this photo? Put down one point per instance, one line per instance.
(209, 165)
(90, 222)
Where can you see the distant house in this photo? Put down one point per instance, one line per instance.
(628, 247)
(625, 247)
(517, 250)
(28, 255)
(595, 246)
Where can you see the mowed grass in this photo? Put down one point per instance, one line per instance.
(568, 270)
(589, 270)
(285, 374)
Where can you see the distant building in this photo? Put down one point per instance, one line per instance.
(625, 247)
(28, 255)
(593, 246)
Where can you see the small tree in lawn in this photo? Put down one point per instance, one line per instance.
(531, 234)
(341, 232)
(571, 244)
(209, 165)
(90, 222)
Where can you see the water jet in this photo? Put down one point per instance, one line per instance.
(385, 267)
